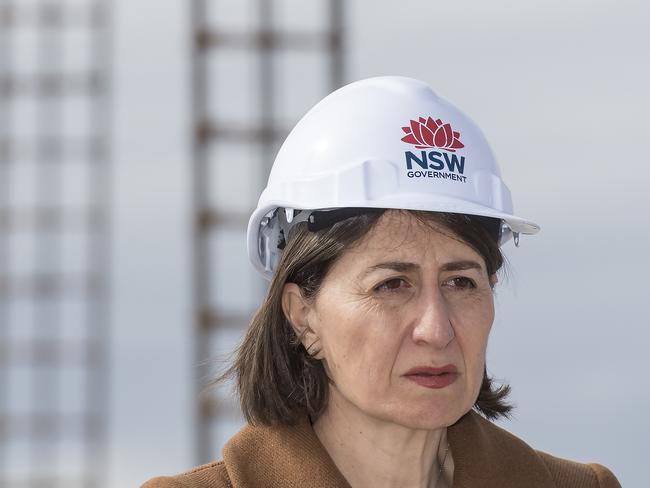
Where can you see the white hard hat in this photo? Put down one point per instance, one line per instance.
(387, 142)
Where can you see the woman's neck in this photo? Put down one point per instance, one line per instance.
(381, 454)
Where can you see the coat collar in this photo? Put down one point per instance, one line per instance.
(289, 456)
(484, 455)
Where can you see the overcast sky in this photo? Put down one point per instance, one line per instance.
(559, 89)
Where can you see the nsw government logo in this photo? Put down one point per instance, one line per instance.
(432, 134)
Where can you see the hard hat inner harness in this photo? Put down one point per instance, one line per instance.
(277, 224)
(320, 219)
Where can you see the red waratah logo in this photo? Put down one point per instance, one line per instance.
(432, 133)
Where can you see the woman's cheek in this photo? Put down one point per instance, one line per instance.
(340, 339)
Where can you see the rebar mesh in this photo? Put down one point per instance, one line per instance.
(257, 66)
(54, 189)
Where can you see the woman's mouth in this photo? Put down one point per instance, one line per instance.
(433, 377)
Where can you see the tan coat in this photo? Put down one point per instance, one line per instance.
(485, 456)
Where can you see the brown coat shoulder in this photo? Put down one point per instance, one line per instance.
(567, 474)
(211, 475)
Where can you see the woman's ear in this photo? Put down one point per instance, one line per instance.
(297, 310)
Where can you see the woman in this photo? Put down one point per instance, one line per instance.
(380, 230)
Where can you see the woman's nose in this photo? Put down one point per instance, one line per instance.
(433, 325)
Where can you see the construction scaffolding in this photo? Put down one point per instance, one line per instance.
(54, 203)
(258, 65)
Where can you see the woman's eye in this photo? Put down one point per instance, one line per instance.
(392, 284)
(462, 282)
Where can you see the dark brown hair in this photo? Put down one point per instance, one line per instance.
(276, 379)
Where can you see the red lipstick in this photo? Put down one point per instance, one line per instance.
(433, 377)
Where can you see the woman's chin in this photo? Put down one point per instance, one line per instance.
(428, 416)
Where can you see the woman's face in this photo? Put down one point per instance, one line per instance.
(405, 299)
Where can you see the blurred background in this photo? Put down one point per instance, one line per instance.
(135, 138)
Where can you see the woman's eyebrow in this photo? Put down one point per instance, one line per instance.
(401, 266)
(461, 265)
(406, 267)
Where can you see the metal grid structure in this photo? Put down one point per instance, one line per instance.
(258, 65)
(54, 189)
